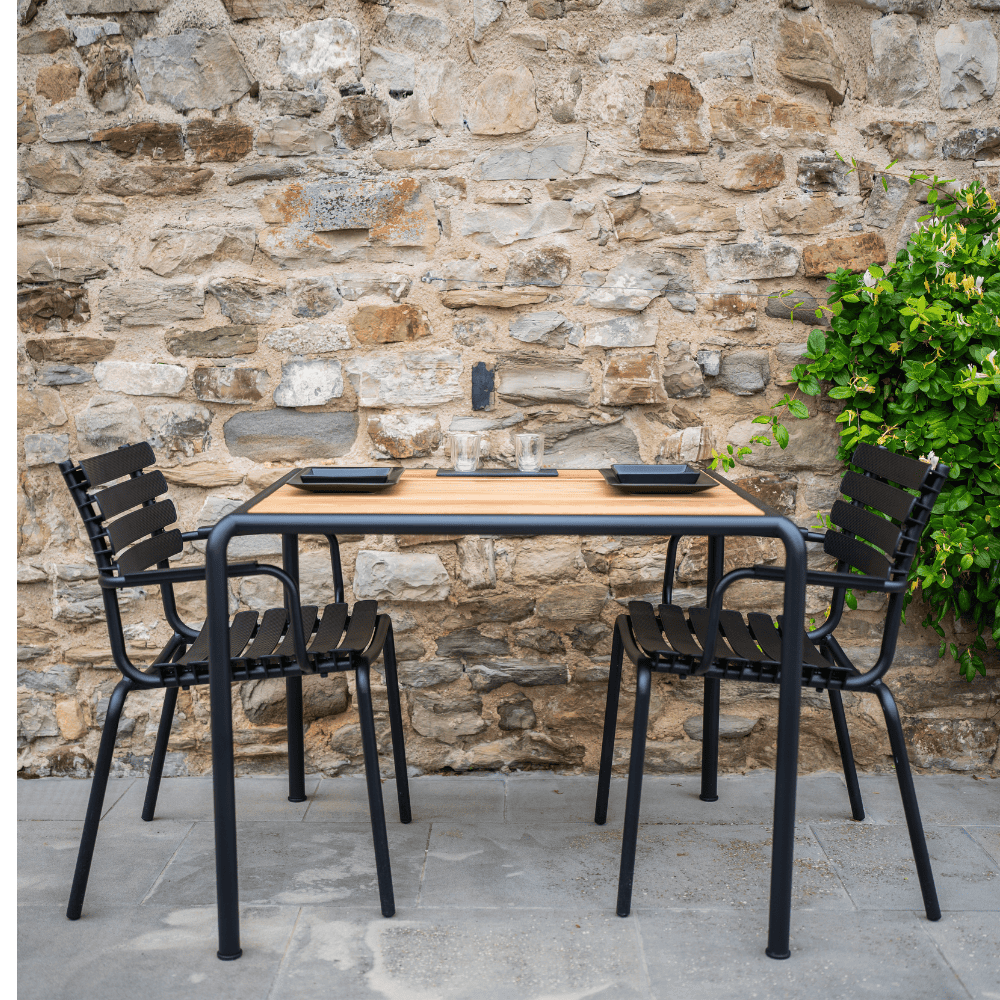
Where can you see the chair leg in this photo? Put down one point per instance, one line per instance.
(710, 741)
(374, 782)
(908, 793)
(296, 740)
(95, 806)
(396, 725)
(159, 753)
(631, 831)
(846, 754)
(610, 721)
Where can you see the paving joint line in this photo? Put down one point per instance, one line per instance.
(423, 867)
(835, 868)
(921, 920)
(163, 871)
(284, 954)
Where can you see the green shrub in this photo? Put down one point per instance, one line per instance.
(913, 353)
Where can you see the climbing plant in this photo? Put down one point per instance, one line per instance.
(912, 350)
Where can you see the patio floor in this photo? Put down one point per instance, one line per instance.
(506, 889)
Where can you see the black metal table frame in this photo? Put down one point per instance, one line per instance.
(716, 527)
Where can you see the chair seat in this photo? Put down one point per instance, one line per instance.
(673, 640)
(262, 645)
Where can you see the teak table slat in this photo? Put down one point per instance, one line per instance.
(572, 492)
(576, 502)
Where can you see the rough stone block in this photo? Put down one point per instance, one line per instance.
(751, 261)
(812, 446)
(320, 49)
(897, 73)
(799, 305)
(179, 427)
(670, 117)
(764, 120)
(108, 423)
(799, 212)
(572, 602)
(286, 435)
(245, 300)
(233, 384)
(58, 82)
(557, 156)
(503, 104)
(157, 140)
(688, 445)
(632, 380)
(395, 576)
(744, 372)
(807, 55)
(853, 252)
(526, 378)
(491, 674)
(182, 250)
(970, 143)
(45, 449)
(732, 63)
(156, 181)
(37, 308)
(622, 331)
(46, 256)
(404, 435)
(446, 715)
(55, 170)
(56, 374)
(419, 378)
(292, 137)
(192, 69)
(732, 307)
(502, 226)
(217, 342)
(219, 141)
(967, 55)
(310, 338)
(595, 447)
(309, 383)
(547, 327)
(546, 267)
(755, 172)
(390, 324)
(99, 209)
(140, 378)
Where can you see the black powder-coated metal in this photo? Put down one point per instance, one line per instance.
(250, 650)
(499, 473)
(240, 522)
(665, 641)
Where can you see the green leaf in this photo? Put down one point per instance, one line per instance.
(781, 435)
(850, 600)
(982, 394)
(841, 392)
(816, 343)
(798, 409)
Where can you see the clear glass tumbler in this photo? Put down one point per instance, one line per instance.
(529, 449)
(465, 451)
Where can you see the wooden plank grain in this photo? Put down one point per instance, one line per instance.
(573, 492)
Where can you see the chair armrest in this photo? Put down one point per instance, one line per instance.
(199, 534)
(813, 536)
(825, 578)
(176, 574)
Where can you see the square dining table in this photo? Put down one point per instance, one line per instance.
(575, 502)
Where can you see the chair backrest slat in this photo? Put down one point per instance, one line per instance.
(117, 464)
(870, 527)
(144, 521)
(874, 493)
(121, 497)
(863, 557)
(885, 464)
(150, 552)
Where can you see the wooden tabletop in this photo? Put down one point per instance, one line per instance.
(573, 492)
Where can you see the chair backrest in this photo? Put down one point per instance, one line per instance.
(118, 501)
(872, 543)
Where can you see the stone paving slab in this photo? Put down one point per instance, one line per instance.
(148, 952)
(66, 798)
(719, 955)
(297, 864)
(875, 863)
(128, 859)
(577, 865)
(502, 892)
(469, 798)
(258, 798)
(441, 954)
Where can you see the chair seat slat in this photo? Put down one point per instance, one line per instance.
(331, 628)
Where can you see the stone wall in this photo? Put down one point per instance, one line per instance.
(260, 232)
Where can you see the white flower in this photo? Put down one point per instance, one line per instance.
(979, 283)
(991, 357)
(869, 279)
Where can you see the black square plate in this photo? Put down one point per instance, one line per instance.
(637, 475)
(318, 484)
(345, 474)
(703, 482)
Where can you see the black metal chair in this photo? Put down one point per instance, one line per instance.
(881, 525)
(127, 521)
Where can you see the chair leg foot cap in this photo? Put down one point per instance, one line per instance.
(774, 954)
(229, 958)
(709, 798)
(624, 913)
(297, 798)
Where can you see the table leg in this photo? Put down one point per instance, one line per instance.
(789, 698)
(710, 707)
(293, 691)
(223, 780)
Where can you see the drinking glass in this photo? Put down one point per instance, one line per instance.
(529, 449)
(465, 451)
